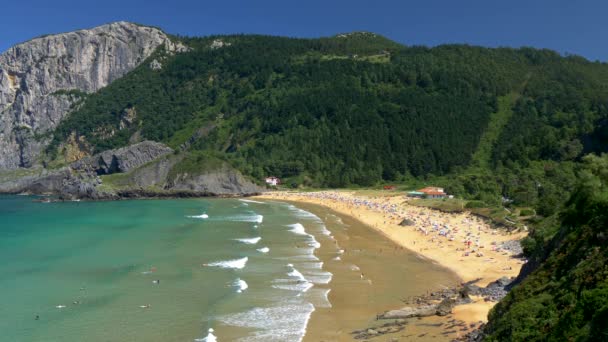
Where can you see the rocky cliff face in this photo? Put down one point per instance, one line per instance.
(123, 159)
(42, 78)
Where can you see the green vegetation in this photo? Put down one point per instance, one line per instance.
(566, 298)
(498, 120)
(526, 212)
(501, 126)
(196, 163)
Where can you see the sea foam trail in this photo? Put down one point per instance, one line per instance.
(233, 264)
(303, 213)
(263, 250)
(209, 338)
(251, 241)
(301, 283)
(251, 201)
(319, 298)
(201, 216)
(273, 324)
(241, 285)
(298, 228)
(250, 218)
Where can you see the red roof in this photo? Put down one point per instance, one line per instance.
(432, 190)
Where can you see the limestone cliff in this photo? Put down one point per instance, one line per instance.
(42, 78)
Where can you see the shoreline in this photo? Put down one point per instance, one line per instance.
(480, 264)
(355, 301)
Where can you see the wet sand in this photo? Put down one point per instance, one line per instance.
(390, 273)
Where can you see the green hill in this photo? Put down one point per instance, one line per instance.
(358, 109)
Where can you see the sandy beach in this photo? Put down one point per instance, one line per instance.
(463, 243)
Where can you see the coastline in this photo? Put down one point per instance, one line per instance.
(384, 213)
(387, 269)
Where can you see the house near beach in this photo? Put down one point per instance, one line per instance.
(428, 192)
(432, 192)
(272, 181)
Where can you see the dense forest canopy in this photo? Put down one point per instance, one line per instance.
(359, 109)
(566, 298)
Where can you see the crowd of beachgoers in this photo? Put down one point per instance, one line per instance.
(437, 227)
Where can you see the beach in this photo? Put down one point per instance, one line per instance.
(462, 243)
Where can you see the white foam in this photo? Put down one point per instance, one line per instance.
(209, 338)
(300, 283)
(234, 264)
(319, 298)
(273, 324)
(296, 274)
(241, 285)
(355, 268)
(319, 277)
(250, 241)
(302, 257)
(325, 231)
(314, 243)
(337, 258)
(250, 201)
(263, 250)
(201, 216)
(300, 286)
(249, 218)
(315, 265)
(297, 228)
(304, 214)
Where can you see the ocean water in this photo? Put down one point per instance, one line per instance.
(159, 270)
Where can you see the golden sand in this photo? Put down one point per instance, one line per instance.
(476, 260)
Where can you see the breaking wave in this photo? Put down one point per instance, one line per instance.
(233, 264)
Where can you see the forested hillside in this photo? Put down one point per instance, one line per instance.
(566, 298)
(358, 109)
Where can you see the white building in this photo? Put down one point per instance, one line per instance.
(273, 181)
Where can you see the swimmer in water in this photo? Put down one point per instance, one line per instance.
(37, 317)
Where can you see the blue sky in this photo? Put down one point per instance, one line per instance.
(575, 26)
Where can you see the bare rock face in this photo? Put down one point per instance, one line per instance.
(223, 181)
(42, 78)
(123, 159)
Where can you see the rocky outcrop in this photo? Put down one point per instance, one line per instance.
(41, 79)
(144, 170)
(124, 159)
(222, 181)
(64, 183)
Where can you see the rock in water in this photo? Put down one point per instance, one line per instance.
(40, 80)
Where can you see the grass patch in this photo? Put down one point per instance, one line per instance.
(498, 120)
(195, 163)
(450, 205)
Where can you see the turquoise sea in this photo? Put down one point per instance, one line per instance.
(159, 270)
